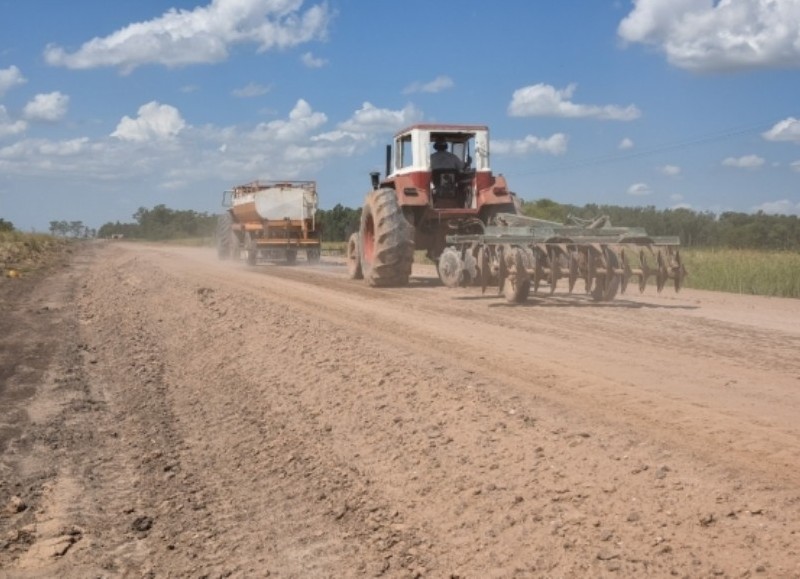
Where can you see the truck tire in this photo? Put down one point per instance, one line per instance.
(250, 249)
(387, 241)
(225, 236)
(313, 255)
(354, 257)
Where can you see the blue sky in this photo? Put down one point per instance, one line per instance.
(106, 107)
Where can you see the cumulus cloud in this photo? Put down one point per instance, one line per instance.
(544, 100)
(625, 144)
(715, 35)
(251, 90)
(49, 107)
(555, 144)
(312, 61)
(370, 119)
(156, 122)
(9, 127)
(745, 162)
(639, 190)
(782, 207)
(9, 78)
(786, 130)
(302, 120)
(438, 84)
(670, 170)
(202, 35)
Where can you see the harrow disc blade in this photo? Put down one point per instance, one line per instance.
(502, 272)
(679, 271)
(451, 268)
(469, 272)
(518, 283)
(483, 267)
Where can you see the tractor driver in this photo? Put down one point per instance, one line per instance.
(444, 159)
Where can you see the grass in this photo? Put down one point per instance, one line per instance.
(744, 271)
(26, 251)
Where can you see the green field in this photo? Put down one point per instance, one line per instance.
(744, 271)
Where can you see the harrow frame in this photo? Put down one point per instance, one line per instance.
(521, 253)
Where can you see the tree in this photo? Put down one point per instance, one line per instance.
(6, 225)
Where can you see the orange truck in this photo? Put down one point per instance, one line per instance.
(270, 220)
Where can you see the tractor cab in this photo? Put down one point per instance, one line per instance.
(439, 166)
(442, 182)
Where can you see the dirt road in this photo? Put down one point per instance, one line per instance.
(163, 414)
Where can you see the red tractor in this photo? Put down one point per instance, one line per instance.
(438, 183)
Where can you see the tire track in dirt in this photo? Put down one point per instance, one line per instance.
(292, 422)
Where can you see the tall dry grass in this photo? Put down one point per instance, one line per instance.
(744, 271)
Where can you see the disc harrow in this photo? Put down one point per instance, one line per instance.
(520, 254)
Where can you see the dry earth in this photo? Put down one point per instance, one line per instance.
(163, 414)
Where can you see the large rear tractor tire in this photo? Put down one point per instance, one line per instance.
(354, 257)
(387, 241)
(225, 236)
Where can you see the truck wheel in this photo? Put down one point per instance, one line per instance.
(224, 235)
(312, 255)
(251, 249)
(387, 241)
(354, 257)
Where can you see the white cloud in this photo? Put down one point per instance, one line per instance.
(251, 90)
(158, 149)
(372, 120)
(795, 166)
(302, 120)
(9, 127)
(64, 148)
(9, 78)
(199, 36)
(670, 170)
(745, 162)
(156, 122)
(49, 107)
(786, 130)
(544, 100)
(676, 197)
(625, 143)
(639, 190)
(438, 84)
(555, 144)
(714, 35)
(312, 61)
(782, 207)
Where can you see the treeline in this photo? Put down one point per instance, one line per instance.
(161, 223)
(696, 229)
(338, 223)
(74, 229)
